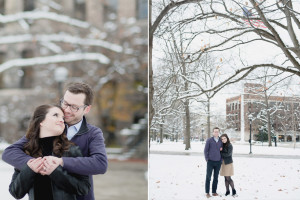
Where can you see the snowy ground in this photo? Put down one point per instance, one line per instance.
(182, 177)
(6, 173)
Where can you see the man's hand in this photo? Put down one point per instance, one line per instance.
(55, 160)
(49, 167)
(36, 164)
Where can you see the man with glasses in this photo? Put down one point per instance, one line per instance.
(76, 103)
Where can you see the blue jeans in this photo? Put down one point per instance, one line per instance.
(212, 166)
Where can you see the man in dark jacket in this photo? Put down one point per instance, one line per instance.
(76, 103)
(213, 158)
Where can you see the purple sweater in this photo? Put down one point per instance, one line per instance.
(212, 149)
(91, 143)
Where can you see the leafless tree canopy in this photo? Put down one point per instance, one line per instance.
(226, 30)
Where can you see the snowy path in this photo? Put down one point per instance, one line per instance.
(235, 155)
(178, 177)
(283, 149)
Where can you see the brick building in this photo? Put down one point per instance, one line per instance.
(284, 113)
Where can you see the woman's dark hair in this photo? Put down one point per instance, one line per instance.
(32, 147)
(228, 141)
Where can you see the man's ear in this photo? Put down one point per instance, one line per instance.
(87, 109)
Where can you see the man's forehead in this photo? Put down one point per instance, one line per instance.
(72, 98)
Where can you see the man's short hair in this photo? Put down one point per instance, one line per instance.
(216, 128)
(82, 88)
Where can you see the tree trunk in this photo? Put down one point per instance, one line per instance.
(294, 125)
(161, 137)
(208, 118)
(268, 118)
(187, 137)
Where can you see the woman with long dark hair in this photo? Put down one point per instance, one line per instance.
(42, 178)
(227, 164)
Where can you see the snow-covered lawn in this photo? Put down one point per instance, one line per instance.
(238, 148)
(179, 177)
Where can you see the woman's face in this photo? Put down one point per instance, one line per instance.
(224, 139)
(54, 122)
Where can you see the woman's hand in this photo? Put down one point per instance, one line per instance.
(55, 160)
(221, 149)
(49, 167)
(36, 164)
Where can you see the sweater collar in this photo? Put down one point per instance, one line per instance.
(84, 128)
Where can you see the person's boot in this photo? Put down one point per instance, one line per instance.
(208, 195)
(233, 192)
(227, 193)
(215, 194)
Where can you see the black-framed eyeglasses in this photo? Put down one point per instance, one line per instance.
(73, 108)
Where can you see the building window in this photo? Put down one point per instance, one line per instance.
(142, 9)
(28, 5)
(2, 58)
(2, 7)
(79, 9)
(27, 72)
(110, 10)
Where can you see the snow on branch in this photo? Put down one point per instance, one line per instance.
(70, 57)
(66, 38)
(52, 4)
(34, 15)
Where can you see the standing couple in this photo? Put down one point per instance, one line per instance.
(48, 164)
(218, 155)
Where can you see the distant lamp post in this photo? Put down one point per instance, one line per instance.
(60, 76)
(250, 117)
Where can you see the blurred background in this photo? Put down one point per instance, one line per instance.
(44, 44)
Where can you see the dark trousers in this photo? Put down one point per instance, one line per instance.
(212, 166)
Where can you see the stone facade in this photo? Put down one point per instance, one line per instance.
(119, 86)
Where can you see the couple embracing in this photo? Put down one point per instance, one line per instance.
(218, 155)
(60, 152)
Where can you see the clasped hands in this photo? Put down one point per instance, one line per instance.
(45, 165)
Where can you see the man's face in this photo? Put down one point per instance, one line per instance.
(216, 132)
(76, 100)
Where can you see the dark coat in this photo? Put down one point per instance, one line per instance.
(226, 154)
(212, 149)
(65, 186)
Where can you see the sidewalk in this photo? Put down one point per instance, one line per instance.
(239, 150)
(124, 180)
(235, 155)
